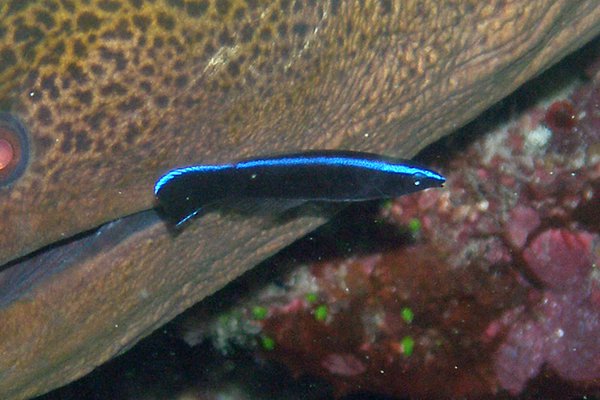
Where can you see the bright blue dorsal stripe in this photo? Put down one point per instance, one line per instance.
(187, 170)
(377, 165)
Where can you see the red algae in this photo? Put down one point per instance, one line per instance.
(560, 258)
(524, 220)
(560, 117)
(561, 327)
(364, 344)
(343, 364)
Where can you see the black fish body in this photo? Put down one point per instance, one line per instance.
(309, 176)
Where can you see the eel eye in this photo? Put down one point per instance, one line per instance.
(14, 149)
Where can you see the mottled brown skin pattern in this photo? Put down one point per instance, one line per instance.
(116, 92)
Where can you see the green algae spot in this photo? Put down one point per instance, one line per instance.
(259, 312)
(311, 298)
(407, 314)
(386, 205)
(414, 226)
(408, 345)
(321, 312)
(267, 343)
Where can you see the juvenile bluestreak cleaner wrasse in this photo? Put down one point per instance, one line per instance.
(326, 175)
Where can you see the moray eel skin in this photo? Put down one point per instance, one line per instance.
(99, 98)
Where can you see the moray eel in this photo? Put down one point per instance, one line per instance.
(99, 98)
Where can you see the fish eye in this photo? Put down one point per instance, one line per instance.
(418, 177)
(14, 149)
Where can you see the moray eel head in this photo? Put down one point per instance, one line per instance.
(99, 98)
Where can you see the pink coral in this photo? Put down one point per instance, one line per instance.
(560, 258)
(343, 364)
(524, 221)
(562, 328)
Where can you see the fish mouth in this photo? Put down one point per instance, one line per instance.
(20, 275)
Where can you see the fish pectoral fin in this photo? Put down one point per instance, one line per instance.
(180, 213)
